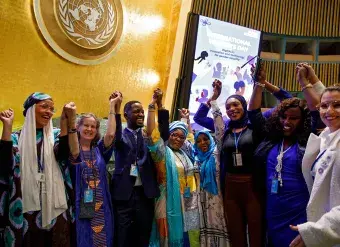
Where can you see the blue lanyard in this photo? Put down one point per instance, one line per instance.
(316, 160)
(237, 140)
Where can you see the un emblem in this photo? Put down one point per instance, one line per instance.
(82, 31)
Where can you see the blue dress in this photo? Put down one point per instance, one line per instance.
(288, 206)
(97, 231)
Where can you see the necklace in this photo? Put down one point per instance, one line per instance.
(278, 167)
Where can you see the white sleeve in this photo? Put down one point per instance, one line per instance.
(325, 232)
(319, 87)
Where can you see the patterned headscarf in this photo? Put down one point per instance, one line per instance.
(208, 164)
(178, 125)
(243, 121)
(33, 99)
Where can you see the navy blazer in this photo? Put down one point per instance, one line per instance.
(127, 151)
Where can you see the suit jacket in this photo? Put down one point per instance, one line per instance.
(127, 152)
(323, 209)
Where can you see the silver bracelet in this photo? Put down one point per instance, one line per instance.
(260, 84)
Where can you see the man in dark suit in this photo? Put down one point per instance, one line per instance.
(134, 183)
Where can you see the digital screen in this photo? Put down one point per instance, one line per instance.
(221, 49)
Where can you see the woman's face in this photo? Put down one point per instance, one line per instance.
(44, 111)
(176, 139)
(203, 142)
(88, 129)
(234, 109)
(291, 120)
(330, 110)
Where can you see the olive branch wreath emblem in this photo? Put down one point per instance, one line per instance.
(68, 25)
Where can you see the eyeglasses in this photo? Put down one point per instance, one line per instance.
(181, 137)
(323, 107)
(46, 107)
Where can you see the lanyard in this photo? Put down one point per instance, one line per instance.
(41, 159)
(278, 167)
(237, 139)
(314, 163)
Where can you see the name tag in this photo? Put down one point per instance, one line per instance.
(275, 186)
(187, 193)
(134, 170)
(88, 195)
(237, 157)
(40, 177)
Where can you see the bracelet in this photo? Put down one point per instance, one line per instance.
(307, 86)
(260, 84)
(112, 113)
(151, 106)
(71, 131)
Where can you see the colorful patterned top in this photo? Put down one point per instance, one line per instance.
(189, 205)
(11, 208)
(89, 171)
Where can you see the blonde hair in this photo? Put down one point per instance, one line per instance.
(81, 122)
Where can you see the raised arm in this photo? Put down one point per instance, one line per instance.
(313, 79)
(155, 142)
(218, 120)
(115, 103)
(6, 117)
(307, 88)
(6, 144)
(256, 97)
(68, 139)
(201, 117)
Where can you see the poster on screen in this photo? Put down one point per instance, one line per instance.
(221, 49)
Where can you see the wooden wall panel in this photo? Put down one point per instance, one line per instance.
(289, 17)
(283, 73)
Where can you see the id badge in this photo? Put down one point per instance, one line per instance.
(187, 193)
(275, 186)
(134, 171)
(88, 195)
(237, 159)
(40, 177)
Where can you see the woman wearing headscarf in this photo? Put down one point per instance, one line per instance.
(176, 210)
(213, 230)
(35, 198)
(237, 145)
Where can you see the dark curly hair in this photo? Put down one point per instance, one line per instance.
(273, 125)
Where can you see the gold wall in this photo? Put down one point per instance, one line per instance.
(141, 63)
(290, 17)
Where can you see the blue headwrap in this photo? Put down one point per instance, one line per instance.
(178, 125)
(208, 164)
(33, 99)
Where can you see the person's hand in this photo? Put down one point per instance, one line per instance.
(7, 116)
(184, 113)
(70, 112)
(301, 74)
(217, 88)
(115, 99)
(262, 74)
(158, 96)
(298, 241)
(311, 76)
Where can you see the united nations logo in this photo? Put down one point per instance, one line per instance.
(82, 31)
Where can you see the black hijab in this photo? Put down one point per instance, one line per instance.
(243, 121)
